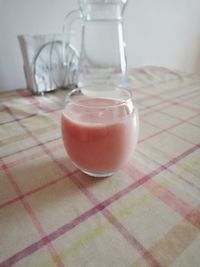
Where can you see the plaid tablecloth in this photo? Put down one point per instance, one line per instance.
(147, 214)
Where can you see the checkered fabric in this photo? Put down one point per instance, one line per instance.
(147, 214)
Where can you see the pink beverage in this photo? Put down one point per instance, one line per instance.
(99, 134)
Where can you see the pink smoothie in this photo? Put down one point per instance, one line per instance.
(100, 141)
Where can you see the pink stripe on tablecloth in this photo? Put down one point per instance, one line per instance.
(171, 103)
(132, 240)
(11, 94)
(148, 77)
(30, 115)
(31, 157)
(170, 199)
(34, 101)
(30, 133)
(42, 187)
(24, 93)
(35, 221)
(30, 147)
(173, 117)
(122, 230)
(27, 207)
(167, 106)
(177, 118)
(180, 122)
(19, 119)
(84, 216)
(194, 217)
(177, 204)
(171, 171)
(54, 235)
(192, 94)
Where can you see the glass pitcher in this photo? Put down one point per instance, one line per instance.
(102, 57)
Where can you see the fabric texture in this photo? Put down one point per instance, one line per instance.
(147, 214)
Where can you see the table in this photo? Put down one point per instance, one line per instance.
(147, 214)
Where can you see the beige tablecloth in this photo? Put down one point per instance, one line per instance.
(147, 214)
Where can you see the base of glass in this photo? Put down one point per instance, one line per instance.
(98, 175)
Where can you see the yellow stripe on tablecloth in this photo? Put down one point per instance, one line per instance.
(156, 189)
(172, 244)
(187, 168)
(96, 232)
(92, 235)
(134, 205)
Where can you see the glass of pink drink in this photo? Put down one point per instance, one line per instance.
(100, 129)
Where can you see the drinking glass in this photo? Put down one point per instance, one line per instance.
(100, 129)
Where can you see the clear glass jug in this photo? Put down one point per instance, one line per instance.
(102, 57)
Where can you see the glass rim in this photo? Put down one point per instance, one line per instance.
(94, 94)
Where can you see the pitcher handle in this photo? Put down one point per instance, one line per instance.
(69, 19)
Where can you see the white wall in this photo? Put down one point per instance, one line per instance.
(158, 32)
(164, 32)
